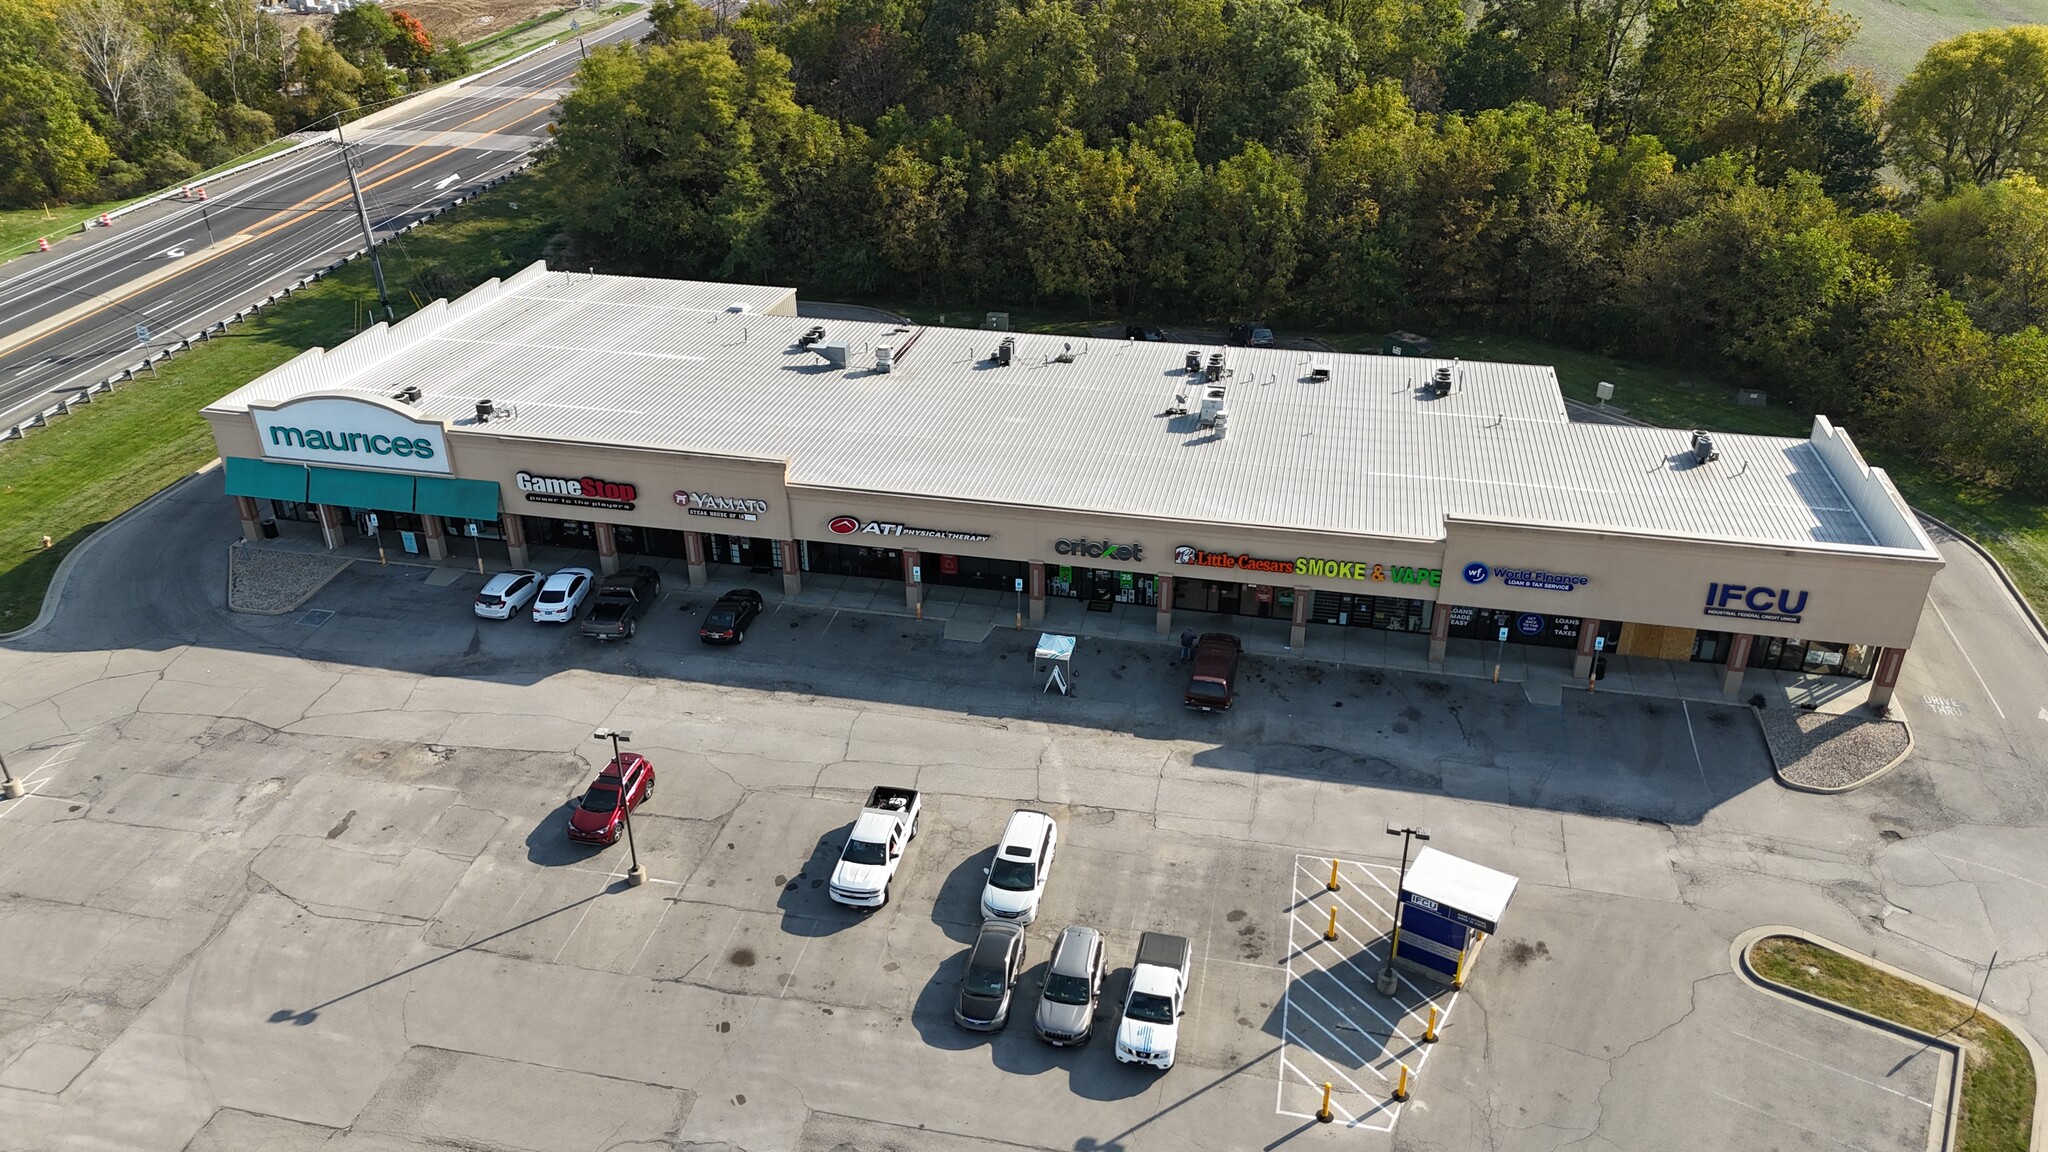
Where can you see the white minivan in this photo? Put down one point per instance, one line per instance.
(1016, 877)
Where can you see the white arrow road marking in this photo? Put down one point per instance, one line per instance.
(451, 178)
(175, 250)
(2044, 713)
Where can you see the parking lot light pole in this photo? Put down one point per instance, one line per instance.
(10, 788)
(635, 875)
(1387, 982)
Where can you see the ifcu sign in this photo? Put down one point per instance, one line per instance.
(1777, 605)
(335, 430)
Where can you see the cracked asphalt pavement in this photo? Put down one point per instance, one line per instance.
(287, 884)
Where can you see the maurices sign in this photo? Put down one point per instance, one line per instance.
(356, 433)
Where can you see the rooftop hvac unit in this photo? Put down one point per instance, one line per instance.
(1318, 370)
(1006, 351)
(1703, 448)
(410, 394)
(1222, 424)
(1214, 372)
(1212, 406)
(885, 358)
(1440, 383)
(812, 335)
(834, 354)
(1194, 361)
(738, 306)
(484, 408)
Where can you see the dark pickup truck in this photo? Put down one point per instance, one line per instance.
(616, 607)
(1212, 675)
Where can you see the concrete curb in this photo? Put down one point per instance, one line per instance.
(1952, 1114)
(235, 548)
(1778, 770)
(2004, 577)
(54, 596)
(1740, 952)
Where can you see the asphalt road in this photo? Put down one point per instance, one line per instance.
(72, 316)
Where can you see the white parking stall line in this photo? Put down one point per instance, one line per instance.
(1392, 1029)
(1830, 1067)
(1939, 615)
(1336, 1108)
(1334, 1038)
(1346, 905)
(1782, 1120)
(1339, 1073)
(32, 782)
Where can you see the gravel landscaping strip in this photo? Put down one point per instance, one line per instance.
(1821, 750)
(271, 583)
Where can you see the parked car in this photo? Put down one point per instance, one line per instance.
(1148, 332)
(727, 621)
(867, 862)
(620, 601)
(1073, 985)
(1251, 334)
(562, 595)
(1212, 674)
(993, 966)
(1023, 861)
(1150, 1029)
(506, 593)
(620, 788)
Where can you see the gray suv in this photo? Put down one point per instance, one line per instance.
(993, 966)
(1073, 983)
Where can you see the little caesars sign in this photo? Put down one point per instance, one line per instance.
(335, 430)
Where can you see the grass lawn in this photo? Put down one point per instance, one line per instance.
(1896, 33)
(1998, 1080)
(20, 227)
(135, 441)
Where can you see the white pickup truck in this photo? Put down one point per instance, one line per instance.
(886, 825)
(1157, 998)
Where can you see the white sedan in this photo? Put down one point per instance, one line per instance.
(507, 593)
(562, 596)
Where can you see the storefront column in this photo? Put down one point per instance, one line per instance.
(333, 525)
(1582, 657)
(913, 591)
(693, 555)
(607, 547)
(1035, 586)
(1439, 633)
(1738, 662)
(1297, 634)
(514, 530)
(1889, 661)
(436, 534)
(792, 571)
(1162, 621)
(252, 526)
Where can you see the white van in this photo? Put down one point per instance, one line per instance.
(1023, 860)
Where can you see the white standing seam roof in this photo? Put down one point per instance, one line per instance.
(664, 364)
(1455, 882)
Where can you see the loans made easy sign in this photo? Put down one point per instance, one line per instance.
(337, 430)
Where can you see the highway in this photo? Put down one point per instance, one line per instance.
(105, 299)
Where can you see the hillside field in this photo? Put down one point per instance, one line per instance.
(1896, 32)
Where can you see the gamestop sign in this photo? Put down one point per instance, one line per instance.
(582, 491)
(335, 430)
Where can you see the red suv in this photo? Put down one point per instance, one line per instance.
(1212, 675)
(622, 785)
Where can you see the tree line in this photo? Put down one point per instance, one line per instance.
(1689, 181)
(101, 99)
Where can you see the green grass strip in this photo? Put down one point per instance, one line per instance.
(67, 480)
(1998, 1076)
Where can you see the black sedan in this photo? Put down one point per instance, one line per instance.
(1151, 333)
(727, 621)
(993, 966)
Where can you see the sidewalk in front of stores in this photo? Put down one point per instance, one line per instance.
(975, 615)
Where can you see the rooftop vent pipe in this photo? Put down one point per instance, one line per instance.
(484, 408)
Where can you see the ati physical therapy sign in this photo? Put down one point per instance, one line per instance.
(334, 430)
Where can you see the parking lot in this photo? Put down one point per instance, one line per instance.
(288, 885)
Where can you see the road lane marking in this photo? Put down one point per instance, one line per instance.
(1696, 761)
(1941, 616)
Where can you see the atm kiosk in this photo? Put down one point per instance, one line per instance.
(1448, 908)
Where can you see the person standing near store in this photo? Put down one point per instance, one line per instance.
(1187, 645)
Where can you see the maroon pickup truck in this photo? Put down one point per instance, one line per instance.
(1212, 675)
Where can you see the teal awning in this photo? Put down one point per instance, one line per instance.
(266, 479)
(459, 499)
(384, 491)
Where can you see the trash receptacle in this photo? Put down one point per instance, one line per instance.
(1599, 667)
(269, 528)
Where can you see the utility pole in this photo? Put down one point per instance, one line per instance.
(363, 215)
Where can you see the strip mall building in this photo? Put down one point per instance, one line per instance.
(710, 423)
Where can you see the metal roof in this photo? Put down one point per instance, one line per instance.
(665, 364)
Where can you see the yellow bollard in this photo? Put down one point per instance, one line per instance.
(1323, 1114)
(1330, 933)
(1401, 1085)
(1333, 885)
(1429, 1033)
